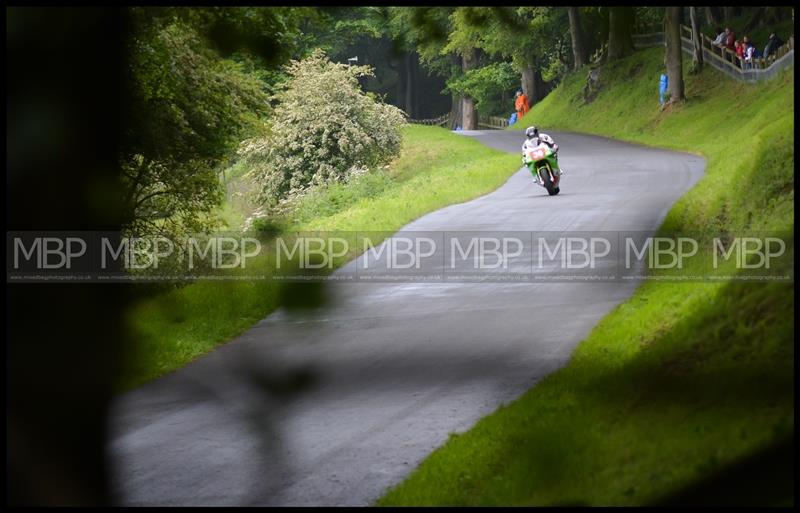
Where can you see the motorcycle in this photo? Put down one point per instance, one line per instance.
(542, 163)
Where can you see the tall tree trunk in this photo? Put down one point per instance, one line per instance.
(416, 87)
(533, 85)
(528, 83)
(711, 17)
(758, 16)
(697, 54)
(620, 23)
(541, 88)
(456, 110)
(727, 14)
(674, 56)
(409, 79)
(457, 105)
(537, 91)
(578, 50)
(400, 92)
(469, 114)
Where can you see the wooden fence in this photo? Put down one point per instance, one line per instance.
(440, 121)
(725, 60)
(492, 122)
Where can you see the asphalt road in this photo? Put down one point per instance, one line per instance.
(396, 366)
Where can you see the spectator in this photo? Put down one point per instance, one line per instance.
(728, 44)
(729, 39)
(773, 44)
(738, 48)
(521, 104)
(720, 39)
(749, 53)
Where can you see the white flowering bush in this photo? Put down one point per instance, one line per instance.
(323, 129)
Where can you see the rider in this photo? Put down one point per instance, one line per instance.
(534, 139)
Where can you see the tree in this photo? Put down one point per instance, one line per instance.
(427, 29)
(321, 138)
(711, 18)
(674, 55)
(463, 41)
(455, 41)
(484, 85)
(187, 110)
(469, 110)
(379, 37)
(396, 23)
(620, 23)
(576, 33)
(534, 38)
(697, 54)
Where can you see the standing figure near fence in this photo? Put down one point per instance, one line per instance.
(750, 53)
(727, 40)
(721, 36)
(729, 43)
(662, 89)
(739, 50)
(773, 44)
(521, 104)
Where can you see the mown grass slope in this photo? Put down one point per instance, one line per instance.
(683, 379)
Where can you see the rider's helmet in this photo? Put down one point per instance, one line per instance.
(532, 132)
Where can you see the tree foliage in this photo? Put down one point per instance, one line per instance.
(188, 108)
(529, 36)
(485, 83)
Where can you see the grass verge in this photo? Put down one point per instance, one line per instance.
(436, 168)
(682, 380)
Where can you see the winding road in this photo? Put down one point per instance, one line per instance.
(397, 367)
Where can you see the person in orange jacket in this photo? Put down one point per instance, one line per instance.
(521, 104)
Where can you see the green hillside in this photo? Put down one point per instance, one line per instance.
(685, 381)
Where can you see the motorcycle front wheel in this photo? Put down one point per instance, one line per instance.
(544, 175)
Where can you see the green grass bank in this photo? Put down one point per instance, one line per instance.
(436, 168)
(685, 378)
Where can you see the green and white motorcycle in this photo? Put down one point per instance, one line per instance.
(542, 163)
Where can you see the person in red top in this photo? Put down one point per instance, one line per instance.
(725, 35)
(521, 104)
(730, 40)
(739, 49)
